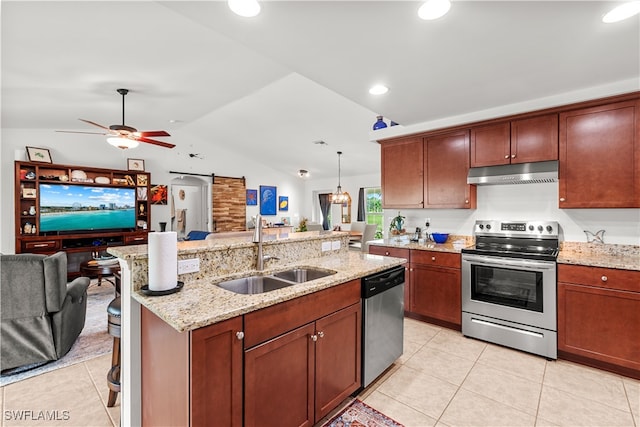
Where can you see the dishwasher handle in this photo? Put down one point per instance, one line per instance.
(377, 283)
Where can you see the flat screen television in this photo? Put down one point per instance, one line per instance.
(83, 208)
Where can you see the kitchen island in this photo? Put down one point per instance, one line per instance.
(164, 339)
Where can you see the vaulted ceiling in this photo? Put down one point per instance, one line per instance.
(299, 72)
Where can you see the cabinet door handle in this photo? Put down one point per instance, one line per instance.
(433, 258)
(314, 338)
(604, 278)
(321, 334)
(513, 156)
(387, 253)
(562, 199)
(506, 156)
(240, 335)
(466, 201)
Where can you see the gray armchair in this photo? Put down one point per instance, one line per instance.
(41, 315)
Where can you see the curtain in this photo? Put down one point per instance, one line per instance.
(325, 206)
(361, 201)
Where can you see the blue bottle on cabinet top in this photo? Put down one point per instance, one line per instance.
(380, 124)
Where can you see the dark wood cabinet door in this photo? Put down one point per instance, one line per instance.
(436, 294)
(338, 358)
(599, 323)
(446, 166)
(279, 380)
(600, 157)
(216, 374)
(534, 139)
(402, 176)
(490, 145)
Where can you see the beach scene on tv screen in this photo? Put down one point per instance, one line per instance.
(79, 207)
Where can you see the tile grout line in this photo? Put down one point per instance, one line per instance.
(97, 390)
(544, 373)
(626, 393)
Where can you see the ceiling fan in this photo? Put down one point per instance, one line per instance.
(123, 136)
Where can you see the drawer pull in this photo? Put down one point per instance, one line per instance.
(387, 253)
(604, 278)
(314, 338)
(320, 334)
(433, 258)
(562, 199)
(40, 245)
(240, 335)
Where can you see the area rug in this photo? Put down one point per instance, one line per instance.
(359, 414)
(94, 340)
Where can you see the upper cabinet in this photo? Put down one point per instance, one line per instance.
(600, 156)
(402, 175)
(446, 166)
(533, 139)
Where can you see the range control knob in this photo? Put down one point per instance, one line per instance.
(488, 226)
(549, 228)
(540, 228)
(480, 226)
(531, 228)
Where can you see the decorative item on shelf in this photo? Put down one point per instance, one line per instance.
(141, 209)
(32, 210)
(64, 178)
(142, 193)
(78, 175)
(39, 155)
(395, 227)
(135, 164)
(129, 180)
(26, 228)
(339, 197)
(141, 179)
(598, 237)
(379, 124)
(302, 226)
(30, 175)
(23, 174)
(28, 193)
(102, 180)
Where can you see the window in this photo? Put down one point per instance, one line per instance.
(373, 208)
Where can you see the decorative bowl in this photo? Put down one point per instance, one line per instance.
(439, 237)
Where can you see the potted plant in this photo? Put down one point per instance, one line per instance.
(396, 225)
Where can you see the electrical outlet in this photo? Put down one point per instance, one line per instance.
(335, 245)
(326, 246)
(188, 265)
(427, 222)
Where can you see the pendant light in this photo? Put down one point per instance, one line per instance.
(339, 197)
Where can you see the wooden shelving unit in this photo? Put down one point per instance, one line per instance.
(79, 245)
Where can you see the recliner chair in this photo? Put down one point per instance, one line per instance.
(41, 314)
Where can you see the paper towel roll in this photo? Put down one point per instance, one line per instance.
(163, 260)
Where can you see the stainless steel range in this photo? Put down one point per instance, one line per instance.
(509, 285)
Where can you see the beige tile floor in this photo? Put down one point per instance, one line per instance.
(443, 379)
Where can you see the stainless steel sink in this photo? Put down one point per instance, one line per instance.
(254, 284)
(304, 274)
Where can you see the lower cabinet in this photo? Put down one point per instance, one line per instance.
(598, 317)
(299, 377)
(436, 292)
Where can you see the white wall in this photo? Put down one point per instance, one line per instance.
(527, 202)
(93, 151)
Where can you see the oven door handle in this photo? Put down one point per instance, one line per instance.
(502, 262)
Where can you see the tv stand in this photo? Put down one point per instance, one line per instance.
(80, 245)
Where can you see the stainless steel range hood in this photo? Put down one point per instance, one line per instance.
(523, 173)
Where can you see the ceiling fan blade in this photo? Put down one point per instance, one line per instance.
(91, 133)
(152, 133)
(94, 123)
(153, 141)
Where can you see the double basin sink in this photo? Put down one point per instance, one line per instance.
(258, 284)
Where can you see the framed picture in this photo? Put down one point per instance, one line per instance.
(268, 199)
(283, 203)
(39, 155)
(252, 197)
(159, 194)
(28, 193)
(141, 179)
(135, 164)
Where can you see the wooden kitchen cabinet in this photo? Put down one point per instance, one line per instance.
(402, 174)
(436, 292)
(598, 317)
(446, 166)
(311, 363)
(397, 253)
(191, 378)
(600, 156)
(532, 139)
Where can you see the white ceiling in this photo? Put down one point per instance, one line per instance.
(299, 72)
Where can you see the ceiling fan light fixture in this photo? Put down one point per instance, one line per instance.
(378, 89)
(245, 8)
(123, 143)
(622, 12)
(434, 9)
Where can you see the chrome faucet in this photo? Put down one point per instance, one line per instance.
(257, 238)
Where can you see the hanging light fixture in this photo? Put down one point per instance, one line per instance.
(339, 197)
(122, 142)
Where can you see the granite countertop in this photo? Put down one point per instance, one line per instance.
(201, 302)
(624, 257)
(453, 244)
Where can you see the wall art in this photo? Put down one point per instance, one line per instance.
(158, 194)
(39, 155)
(268, 199)
(252, 197)
(283, 203)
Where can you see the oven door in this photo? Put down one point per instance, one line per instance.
(518, 290)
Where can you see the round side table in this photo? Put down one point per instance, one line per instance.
(93, 269)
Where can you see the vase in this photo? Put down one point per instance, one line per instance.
(380, 124)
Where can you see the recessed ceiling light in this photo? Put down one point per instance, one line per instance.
(622, 12)
(246, 8)
(320, 142)
(378, 90)
(434, 9)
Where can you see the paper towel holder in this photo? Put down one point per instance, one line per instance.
(148, 292)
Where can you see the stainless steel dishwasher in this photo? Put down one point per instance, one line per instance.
(382, 321)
